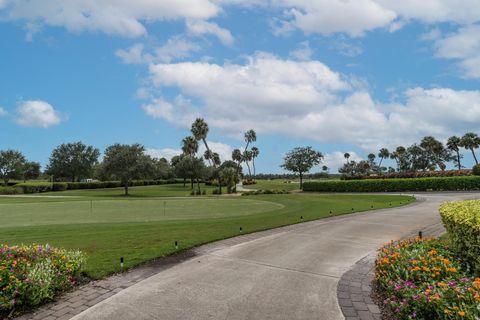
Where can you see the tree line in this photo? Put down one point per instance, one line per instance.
(123, 162)
(428, 155)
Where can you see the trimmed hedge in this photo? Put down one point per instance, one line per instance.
(396, 185)
(462, 221)
(38, 187)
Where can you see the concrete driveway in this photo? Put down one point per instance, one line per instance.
(291, 274)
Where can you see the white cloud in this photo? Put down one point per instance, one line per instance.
(202, 27)
(345, 47)
(119, 17)
(3, 112)
(167, 153)
(303, 52)
(223, 150)
(36, 113)
(308, 100)
(336, 160)
(463, 46)
(174, 48)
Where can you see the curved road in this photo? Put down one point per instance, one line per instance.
(289, 274)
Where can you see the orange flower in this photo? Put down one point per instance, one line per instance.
(461, 313)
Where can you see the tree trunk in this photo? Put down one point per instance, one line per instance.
(301, 180)
(5, 182)
(474, 156)
(254, 171)
(458, 161)
(184, 182)
(380, 164)
(198, 185)
(191, 182)
(208, 150)
(249, 172)
(126, 189)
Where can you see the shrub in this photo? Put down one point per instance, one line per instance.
(10, 190)
(59, 186)
(216, 191)
(249, 182)
(476, 170)
(462, 221)
(395, 185)
(268, 191)
(34, 187)
(30, 275)
(421, 279)
(413, 174)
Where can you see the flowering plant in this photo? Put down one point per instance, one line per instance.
(29, 275)
(421, 279)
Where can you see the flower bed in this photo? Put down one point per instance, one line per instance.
(30, 275)
(414, 174)
(421, 279)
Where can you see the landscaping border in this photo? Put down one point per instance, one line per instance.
(354, 290)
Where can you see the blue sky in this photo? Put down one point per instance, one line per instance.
(337, 75)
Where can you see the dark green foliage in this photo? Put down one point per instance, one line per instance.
(396, 185)
(59, 186)
(476, 170)
(267, 191)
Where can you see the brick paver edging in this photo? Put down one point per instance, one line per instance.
(354, 289)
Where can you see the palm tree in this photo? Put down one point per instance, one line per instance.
(346, 155)
(453, 144)
(199, 131)
(255, 152)
(190, 148)
(247, 157)
(471, 141)
(383, 154)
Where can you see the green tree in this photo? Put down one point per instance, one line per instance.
(73, 161)
(346, 155)
(300, 160)
(383, 154)
(11, 165)
(31, 170)
(229, 176)
(453, 144)
(127, 162)
(247, 157)
(200, 131)
(255, 154)
(471, 141)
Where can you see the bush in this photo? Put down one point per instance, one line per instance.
(216, 191)
(462, 221)
(421, 279)
(249, 182)
(30, 275)
(395, 185)
(59, 186)
(476, 170)
(10, 190)
(34, 187)
(268, 191)
(413, 174)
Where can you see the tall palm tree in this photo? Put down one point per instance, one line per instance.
(453, 144)
(255, 152)
(190, 148)
(247, 157)
(346, 155)
(471, 141)
(383, 154)
(200, 131)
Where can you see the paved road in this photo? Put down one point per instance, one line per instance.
(288, 275)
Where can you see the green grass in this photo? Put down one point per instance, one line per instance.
(166, 190)
(138, 229)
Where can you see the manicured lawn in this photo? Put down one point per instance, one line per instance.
(138, 229)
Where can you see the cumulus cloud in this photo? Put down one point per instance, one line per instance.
(118, 17)
(223, 150)
(336, 160)
(174, 48)
(202, 27)
(303, 52)
(3, 112)
(36, 113)
(464, 47)
(308, 100)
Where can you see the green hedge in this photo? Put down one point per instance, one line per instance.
(462, 221)
(42, 186)
(396, 185)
